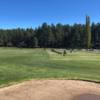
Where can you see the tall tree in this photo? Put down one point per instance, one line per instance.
(88, 32)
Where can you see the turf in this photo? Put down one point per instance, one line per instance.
(24, 64)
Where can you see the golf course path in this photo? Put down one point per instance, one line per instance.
(51, 90)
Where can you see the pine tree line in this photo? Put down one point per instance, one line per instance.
(53, 36)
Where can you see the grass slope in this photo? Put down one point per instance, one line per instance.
(23, 64)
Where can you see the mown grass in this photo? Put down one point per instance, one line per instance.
(23, 64)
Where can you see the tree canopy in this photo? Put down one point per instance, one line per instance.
(53, 36)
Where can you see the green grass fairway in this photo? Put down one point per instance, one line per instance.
(23, 64)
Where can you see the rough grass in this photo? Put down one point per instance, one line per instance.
(23, 64)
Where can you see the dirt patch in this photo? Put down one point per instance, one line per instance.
(51, 90)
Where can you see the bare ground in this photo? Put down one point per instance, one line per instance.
(51, 90)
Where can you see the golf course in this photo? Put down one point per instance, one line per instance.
(50, 50)
(17, 65)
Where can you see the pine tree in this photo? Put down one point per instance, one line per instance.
(35, 42)
(88, 33)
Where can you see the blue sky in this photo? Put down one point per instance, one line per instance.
(32, 13)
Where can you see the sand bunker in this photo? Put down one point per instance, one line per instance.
(52, 90)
